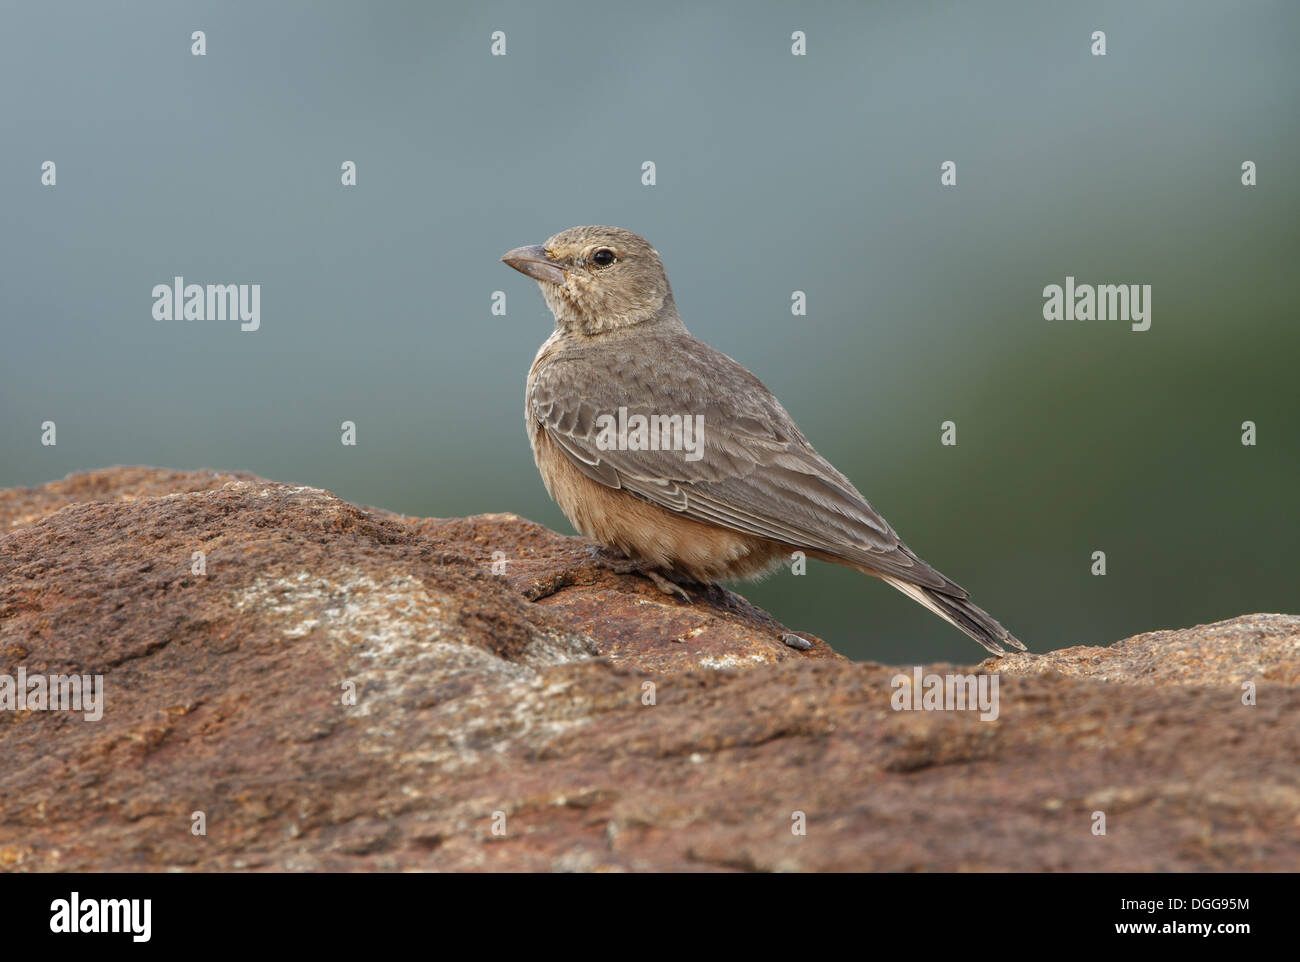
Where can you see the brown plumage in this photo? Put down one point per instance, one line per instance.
(751, 490)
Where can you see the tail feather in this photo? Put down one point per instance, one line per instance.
(970, 618)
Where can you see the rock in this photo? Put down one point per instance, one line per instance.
(1253, 647)
(476, 708)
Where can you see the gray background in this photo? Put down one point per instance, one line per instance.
(775, 173)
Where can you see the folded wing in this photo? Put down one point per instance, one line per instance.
(757, 473)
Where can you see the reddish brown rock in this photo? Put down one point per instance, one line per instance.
(475, 706)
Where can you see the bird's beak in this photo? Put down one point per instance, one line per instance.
(534, 262)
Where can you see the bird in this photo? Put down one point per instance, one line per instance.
(731, 499)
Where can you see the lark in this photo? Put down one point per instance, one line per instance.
(735, 505)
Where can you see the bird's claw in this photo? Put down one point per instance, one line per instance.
(666, 586)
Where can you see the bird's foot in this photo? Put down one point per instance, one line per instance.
(621, 565)
(666, 585)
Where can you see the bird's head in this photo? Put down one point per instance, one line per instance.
(597, 279)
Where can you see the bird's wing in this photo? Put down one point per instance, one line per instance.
(755, 473)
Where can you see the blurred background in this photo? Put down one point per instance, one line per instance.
(775, 173)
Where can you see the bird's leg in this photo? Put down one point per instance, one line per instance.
(626, 566)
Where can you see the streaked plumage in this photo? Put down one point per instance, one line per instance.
(759, 492)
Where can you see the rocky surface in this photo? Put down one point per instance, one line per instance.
(505, 721)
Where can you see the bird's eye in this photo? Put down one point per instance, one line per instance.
(603, 257)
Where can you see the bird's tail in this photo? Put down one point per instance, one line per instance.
(959, 611)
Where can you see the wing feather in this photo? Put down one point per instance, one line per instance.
(757, 474)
